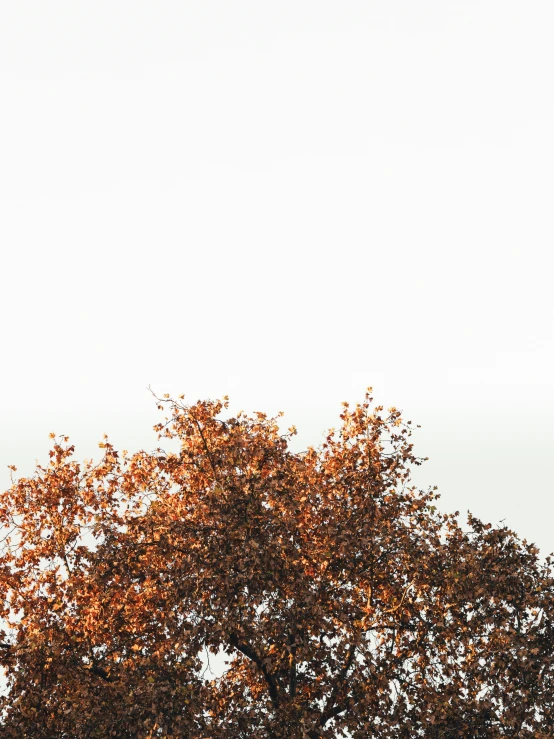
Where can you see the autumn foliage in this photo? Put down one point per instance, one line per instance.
(339, 600)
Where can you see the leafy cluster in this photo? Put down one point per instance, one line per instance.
(344, 603)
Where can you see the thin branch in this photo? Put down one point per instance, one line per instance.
(292, 666)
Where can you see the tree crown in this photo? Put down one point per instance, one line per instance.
(342, 600)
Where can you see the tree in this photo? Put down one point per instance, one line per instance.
(344, 602)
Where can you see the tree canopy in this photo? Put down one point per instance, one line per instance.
(341, 600)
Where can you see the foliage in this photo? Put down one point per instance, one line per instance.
(346, 604)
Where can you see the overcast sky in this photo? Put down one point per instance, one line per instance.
(284, 202)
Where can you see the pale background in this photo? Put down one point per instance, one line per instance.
(285, 202)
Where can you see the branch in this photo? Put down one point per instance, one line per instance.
(101, 672)
(329, 711)
(247, 650)
(206, 447)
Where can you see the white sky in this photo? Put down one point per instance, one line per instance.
(285, 202)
